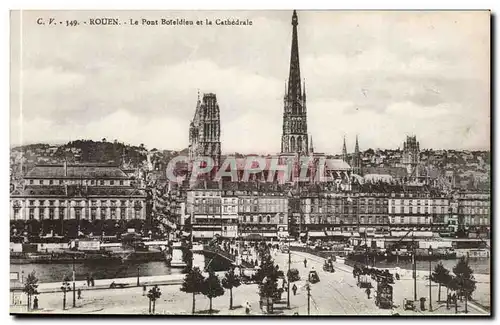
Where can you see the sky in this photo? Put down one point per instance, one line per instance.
(378, 75)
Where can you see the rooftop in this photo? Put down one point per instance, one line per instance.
(85, 170)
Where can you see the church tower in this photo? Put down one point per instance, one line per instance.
(295, 138)
(411, 155)
(356, 158)
(204, 130)
(344, 152)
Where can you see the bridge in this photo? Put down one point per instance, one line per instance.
(217, 252)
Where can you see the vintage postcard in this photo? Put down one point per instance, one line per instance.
(286, 162)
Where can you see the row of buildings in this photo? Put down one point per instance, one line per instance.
(274, 212)
(103, 192)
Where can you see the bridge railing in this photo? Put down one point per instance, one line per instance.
(225, 254)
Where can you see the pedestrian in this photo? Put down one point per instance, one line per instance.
(368, 291)
(35, 303)
(294, 289)
(305, 262)
(247, 308)
(88, 281)
(144, 290)
(92, 281)
(79, 293)
(448, 300)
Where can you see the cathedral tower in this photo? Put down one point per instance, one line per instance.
(204, 130)
(295, 138)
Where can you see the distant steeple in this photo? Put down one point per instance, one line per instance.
(356, 158)
(311, 146)
(356, 148)
(344, 151)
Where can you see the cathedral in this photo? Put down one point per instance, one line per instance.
(204, 130)
(295, 138)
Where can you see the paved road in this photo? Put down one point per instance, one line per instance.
(335, 294)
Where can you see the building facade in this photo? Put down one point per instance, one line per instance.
(91, 192)
(474, 211)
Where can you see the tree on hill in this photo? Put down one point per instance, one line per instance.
(193, 283)
(441, 276)
(230, 281)
(212, 288)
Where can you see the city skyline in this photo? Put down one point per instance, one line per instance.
(384, 85)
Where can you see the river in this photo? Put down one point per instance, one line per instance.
(478, 265)
(99, 270)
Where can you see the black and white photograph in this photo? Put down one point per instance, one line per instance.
(250, 163)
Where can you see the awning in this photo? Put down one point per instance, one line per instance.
(317, 234)
(203, 234)
(253, 237)
(303, 234)
(334, 233)
(270, 235)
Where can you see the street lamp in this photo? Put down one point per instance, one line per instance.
(288, 275)
(138, 284)
(430, 282)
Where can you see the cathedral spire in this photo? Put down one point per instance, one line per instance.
(311, 146)
(294, 91)
(356, 148)
(344, 151)
(294, 138)
(304, 90)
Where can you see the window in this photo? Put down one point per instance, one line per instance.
(393, 209)
(51, 182)
(31, 214)
(268, 219)
(124, 203)
(32, 202)
(111, 182)
(101, 182)
(51, 214)
(260, 219)
(93, 214)
(121, 182)
(137, 214)
(78, 213)
(92, 182)
(16, 212)
(51, 202)
(31, 182)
